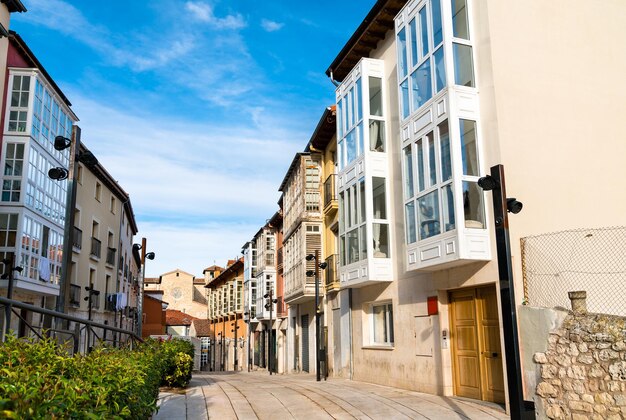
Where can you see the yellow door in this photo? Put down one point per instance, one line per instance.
(478, 371)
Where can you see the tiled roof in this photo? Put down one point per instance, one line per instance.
(175, 317)
(202, 326)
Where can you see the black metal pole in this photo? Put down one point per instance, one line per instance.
(269, 336)
(317, 314)
(8, 268)
(507, 296)
(68, 228)
(235, 328)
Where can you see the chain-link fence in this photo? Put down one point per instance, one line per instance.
(593, 260)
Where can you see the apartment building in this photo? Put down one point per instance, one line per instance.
(432, 93)
(104, 271)
(32, 206)
(226, 319)
(334, 346)
(302, 236)
(266, 297)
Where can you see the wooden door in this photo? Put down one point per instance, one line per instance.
(492, 377)
(465, 344)
(477, 358)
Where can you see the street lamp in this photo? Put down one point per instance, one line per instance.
(144, 255)
(315, 257)
(60, 174)
(234, 329)
(501, 207)
(269, 305)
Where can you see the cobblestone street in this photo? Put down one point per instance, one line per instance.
(258, 395)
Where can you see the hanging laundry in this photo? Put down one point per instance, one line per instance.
(44, 269)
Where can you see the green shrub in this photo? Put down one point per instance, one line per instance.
(177, 362)
(40, 380)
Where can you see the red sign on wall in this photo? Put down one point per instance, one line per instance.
(433, 308)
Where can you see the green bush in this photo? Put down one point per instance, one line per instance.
(40, 380)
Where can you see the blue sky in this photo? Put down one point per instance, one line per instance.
(196, 107)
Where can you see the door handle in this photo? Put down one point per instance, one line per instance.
(489, 354)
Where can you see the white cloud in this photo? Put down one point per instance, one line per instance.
(204, 13)
(139, 53)
(270, 25)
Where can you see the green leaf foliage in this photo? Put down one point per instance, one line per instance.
(39, 380)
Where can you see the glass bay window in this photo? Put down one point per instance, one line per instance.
(444, 213)
(364, 224)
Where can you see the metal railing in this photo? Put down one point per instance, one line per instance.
(77, 238)
(82, 334)
(111, 256)
(330, 194)
(332, 272)
(96, 245)
(74, 295)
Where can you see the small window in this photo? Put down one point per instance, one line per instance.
(98, 194)
(79, 174)
(382, 324)
(112, 204)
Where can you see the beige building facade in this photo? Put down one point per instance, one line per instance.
(102, 258)
(183, 291)
(448, 90)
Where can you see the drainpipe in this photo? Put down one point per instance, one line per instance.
(334, 82)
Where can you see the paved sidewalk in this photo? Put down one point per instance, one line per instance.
(257, 395)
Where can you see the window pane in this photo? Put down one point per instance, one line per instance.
(363, 243)
(421, 85)
(381, 240)
(463, 67)
(469, 152)
(359, 105)
(351, 147)
(353, 208)
(378, 198)
(376, 97)
(440, 70)
(411, 233)
(408, 173)
(352, 242)
(404, 93)
(340, 153)
(459, 19)
(342, 251)
(350, 108)
(349, 211)
(424, 31)
(446, 162)
(402, 65)
(436, 12)
(414, 56)
(339, 119)
(377, 136)
(362, 201)
(432, 160)
(421, 182)
(428, 215)
(359, 129)
(473, 206)
(448, 208)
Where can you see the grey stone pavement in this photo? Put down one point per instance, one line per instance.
(258, 395)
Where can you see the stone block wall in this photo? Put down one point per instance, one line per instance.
(583, 370)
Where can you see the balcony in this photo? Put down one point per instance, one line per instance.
(331, 281)
(330, 194)
(111, 256)
(96, 245)
(77, 238)
(74, 295)
(279, 261)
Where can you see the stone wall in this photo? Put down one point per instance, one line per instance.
(583, 370)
